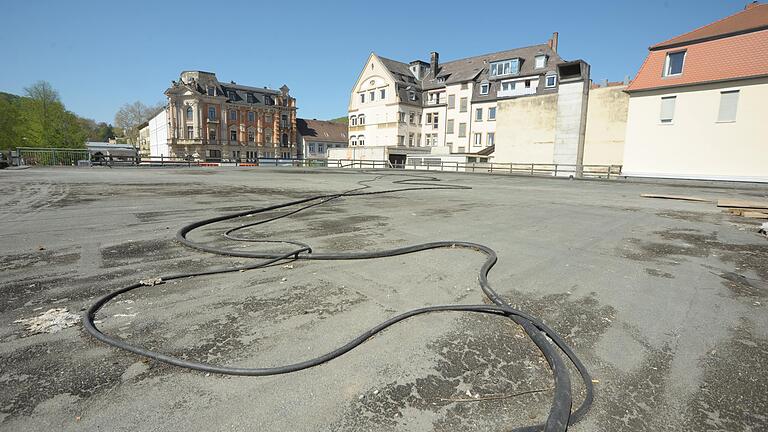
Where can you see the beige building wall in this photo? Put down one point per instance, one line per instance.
(695, 144)
(381, 126)
(606, 126)
(525, 129)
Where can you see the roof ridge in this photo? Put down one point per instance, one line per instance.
(493, 53)
(666, 41)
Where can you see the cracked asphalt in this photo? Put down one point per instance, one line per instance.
(664, 301)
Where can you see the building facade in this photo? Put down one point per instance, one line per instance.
(210, 120)
(697, 108)
(317, 137)
(410, 107)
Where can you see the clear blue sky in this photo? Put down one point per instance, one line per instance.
(102, 54)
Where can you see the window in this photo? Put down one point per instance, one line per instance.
(434, 121)
(462, 130)
(506, 67)
(449, 126)
(211, 91)
(214, 154)
(233, 115)
(667, 109)
(190, 113)
(360, 140)
(352, 140)
(479, 114)
(320, 148)
(429, 118)
(508, 86)
(353, 121)
(361, 119)
(190, 132)
(463, 104)
(211, 135)
(268, 118)
(311, 148)
(490, 139)
(484, 87)
(410, 140)
(362, 97)
(411, 117)
(251, 116)
(527, 83)
(674, 64)
(233, 135)
(478, 139)
(412, 95)
(372, 95)
(464, 86)
(249, 98)
(212, 113)
(492, 113)
(729, 101)
(540, 61)
(550, 81)
(236, 154)
(383, 94)
(400, 140)
(231, 94)
(451, 101)
(284, 140)
(401, 117)
(284, 121)
(251, 135)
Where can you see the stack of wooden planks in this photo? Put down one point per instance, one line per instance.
(747, 209)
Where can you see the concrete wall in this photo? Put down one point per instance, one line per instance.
(359, 153)
(571, 116)
(606, 126)
(695, 144)
(158, 135)
(525, 129)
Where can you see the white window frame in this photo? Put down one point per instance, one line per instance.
(485, 88)
(361, 119)
(478, 114)
(540, 61)
(490, 139)
(491, 110)
(478, 141)
(505, 66)
(353, 120)
(554, 81)
(383, 94)
(360, 140)
(666, 72)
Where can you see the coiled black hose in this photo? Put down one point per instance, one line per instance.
(545, 338)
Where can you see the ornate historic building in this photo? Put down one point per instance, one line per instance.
(210, 120)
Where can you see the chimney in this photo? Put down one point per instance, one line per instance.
(434, 63)
(553, 42)
(751, 5)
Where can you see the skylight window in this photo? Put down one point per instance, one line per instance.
(674, 64)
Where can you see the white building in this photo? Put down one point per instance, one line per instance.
(396, 109)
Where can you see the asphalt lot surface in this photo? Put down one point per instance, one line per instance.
(664, 301)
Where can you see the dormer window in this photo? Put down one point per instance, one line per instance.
(251, 98)
(674, 63)
(231, 94)
(505, 67)
(484, 88)
(211, 91)
(412, 95)
(541, 61)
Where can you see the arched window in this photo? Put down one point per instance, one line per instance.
(268, 136)
(353, 121)
(353, 140)
(361, 119)
(189, 113)
(233, 134)
(251, 135)
(360, 140)
(285, 140)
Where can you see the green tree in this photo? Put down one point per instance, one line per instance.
(9, 115)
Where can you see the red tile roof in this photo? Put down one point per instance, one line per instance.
(753, 17)
(735, 56)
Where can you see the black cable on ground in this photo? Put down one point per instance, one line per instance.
(549, 342)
